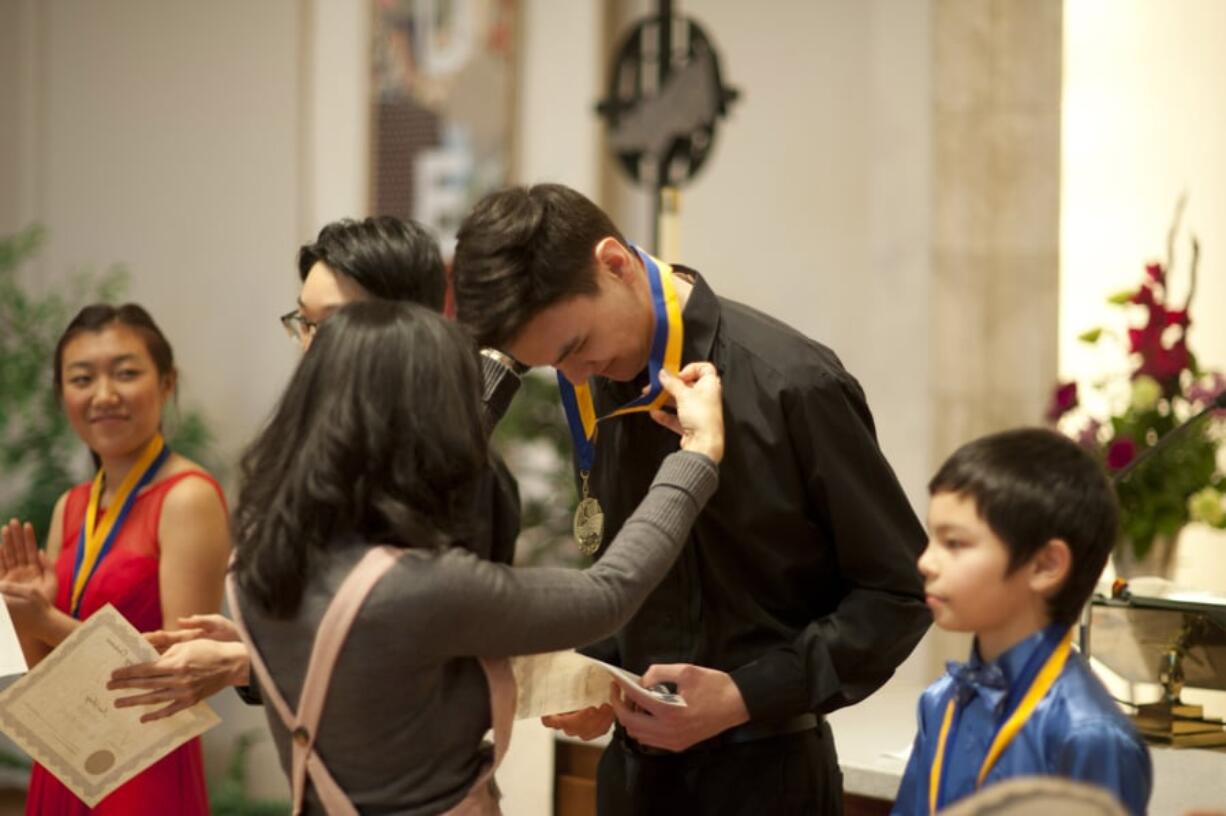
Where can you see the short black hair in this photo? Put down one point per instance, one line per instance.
(390, 258)
(1033, 485)
(520, 251)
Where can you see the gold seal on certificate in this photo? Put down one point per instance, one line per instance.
(589, 525)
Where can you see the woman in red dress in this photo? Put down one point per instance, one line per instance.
(148, 535)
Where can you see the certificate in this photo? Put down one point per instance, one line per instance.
(557, 682)
(62, 714)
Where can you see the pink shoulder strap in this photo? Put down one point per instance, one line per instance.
(482, 798)
(303, 725)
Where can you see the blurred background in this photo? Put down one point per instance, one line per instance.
(943, 191)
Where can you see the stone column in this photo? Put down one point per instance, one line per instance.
(996, 143)
(993, 319)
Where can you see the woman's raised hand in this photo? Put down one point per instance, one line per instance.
(27, 578)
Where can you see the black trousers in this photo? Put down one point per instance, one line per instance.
(793, 773)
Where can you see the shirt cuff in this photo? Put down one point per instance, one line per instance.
(773, 686)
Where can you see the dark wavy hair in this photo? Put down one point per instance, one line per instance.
(520, 251)
(1033, 485)
(390, 258)
(378, 437)
(98, 316)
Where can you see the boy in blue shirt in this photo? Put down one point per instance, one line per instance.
(1020, 527)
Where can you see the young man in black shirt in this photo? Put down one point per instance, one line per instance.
(797, 593)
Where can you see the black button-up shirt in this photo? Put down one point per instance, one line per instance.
(799, 577)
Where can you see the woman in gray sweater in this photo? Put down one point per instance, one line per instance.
(379, 439)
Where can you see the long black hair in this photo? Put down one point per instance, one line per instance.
(378, 436)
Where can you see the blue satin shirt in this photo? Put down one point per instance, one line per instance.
(1077, 731)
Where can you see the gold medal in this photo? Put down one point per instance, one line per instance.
(589, 522)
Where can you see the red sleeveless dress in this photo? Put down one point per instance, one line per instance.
(128, 580)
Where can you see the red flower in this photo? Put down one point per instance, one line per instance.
(1164, 364)
(1177, 317)
(1120, 453)
(1156, 272)
(1063, 400)
(1143, 296)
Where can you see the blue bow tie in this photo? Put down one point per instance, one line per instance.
(968, 679)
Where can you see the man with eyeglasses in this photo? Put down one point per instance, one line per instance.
(380, 257)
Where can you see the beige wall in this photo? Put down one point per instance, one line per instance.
(166, 139)
(1144, 122)
(814, 205)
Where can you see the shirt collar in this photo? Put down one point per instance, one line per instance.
(992, 680)
(701, 318)
(1014, 660)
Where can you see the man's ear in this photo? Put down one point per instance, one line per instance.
(1051, 567)
(612, 255)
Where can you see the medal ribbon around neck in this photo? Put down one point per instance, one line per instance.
(665, 353)
(581, 410)
(1036, 678)
(95, 543)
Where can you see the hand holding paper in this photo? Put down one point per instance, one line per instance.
(712, 704)
(559, 682)
(63, 716)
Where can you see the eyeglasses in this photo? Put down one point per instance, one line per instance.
(297, 326)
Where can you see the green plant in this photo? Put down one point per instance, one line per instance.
(1161, 388)
(229, 796)
(40, 456)
(534, 440)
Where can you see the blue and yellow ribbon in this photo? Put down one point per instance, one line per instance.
(665, 354)
(94, 544)
(1036, 679)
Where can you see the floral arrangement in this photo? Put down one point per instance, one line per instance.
(1160, 388)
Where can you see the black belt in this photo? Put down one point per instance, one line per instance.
(748, 732)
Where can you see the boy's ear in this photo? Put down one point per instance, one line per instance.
(611, 255)
(1050, 567)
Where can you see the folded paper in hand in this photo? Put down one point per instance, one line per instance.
(557, 682)
(62, 714)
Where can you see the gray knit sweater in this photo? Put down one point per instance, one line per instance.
(408, 704)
